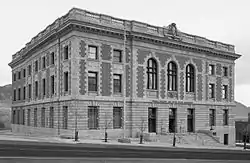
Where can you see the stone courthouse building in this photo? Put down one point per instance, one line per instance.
(81, 73)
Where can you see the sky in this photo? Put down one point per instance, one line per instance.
(221, 20)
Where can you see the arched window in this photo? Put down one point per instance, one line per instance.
(172, 76)
(152, 74)
(190, 78)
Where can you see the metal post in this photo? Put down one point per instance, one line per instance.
(174, 139)
(124, 82)
(58, 77)
(76, 131)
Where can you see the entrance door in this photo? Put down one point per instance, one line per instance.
(225, 139)
(172, 120)
(190, 120)
(151, 119)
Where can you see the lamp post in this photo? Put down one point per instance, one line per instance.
(76, 131)
(174, 139)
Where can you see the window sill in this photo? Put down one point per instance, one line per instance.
(118, 94)
(172, 94)
(116, 62)
(152, 93)
(91, 59)
(93, 93)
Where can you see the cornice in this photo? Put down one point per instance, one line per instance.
(86, 21)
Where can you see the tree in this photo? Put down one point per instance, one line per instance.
(244, 129)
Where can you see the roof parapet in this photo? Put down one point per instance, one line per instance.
(133, 26)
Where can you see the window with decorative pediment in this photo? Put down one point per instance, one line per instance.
(172, 76)
(152, 74)
(190, 78)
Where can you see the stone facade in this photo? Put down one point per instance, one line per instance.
(106, 34)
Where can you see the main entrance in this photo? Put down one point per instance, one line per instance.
(190, 120)
(151, 119)
(172, 120)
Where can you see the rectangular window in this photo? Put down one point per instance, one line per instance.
(225, 117)
(19, 74)
(65, 117)
(117, 83)
(43, 62)
(92, 52)
(117, 117)
(23, 116)
(36, 88)
(224, 91)
(92, 81)
(29, 70)
(30, 90)
(117, 56)
(28, 117)
(36, 66)
(211, 91)
(66, 52)
(18, 116)
(43, 117)
(52, 84)
(66, 81)
(13, 117)
(212, 117)
(211, 69)
(24, 72)
(51, 117)
(19, 93)
(52, 58)
(14, 76)
(14, 95)
(35, 117)
(24, 92)
(93, 117)
(44, 87)
(225, 71)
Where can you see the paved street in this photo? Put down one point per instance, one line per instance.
(112, 160)
(42, 149)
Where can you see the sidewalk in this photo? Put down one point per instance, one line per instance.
(134, 142)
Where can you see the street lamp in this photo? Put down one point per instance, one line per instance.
(174, 139)
(76, 132)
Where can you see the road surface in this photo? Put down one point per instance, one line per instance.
(55, 152)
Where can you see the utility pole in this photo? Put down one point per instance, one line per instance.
(124, 81)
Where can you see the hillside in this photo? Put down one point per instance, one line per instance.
(5, 105)
(5, 92)
(241, 111)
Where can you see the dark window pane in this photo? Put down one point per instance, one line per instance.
(152, 74)
(66, 52)
(117, 56)
(93, 117)
(117, 83)
(117, 117)
(92, 52)
(92, 81)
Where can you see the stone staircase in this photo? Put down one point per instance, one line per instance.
(195, 139)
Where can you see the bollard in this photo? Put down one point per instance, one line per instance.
(76, 136)
(141, 138)
(174, 140)
(106, 137)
